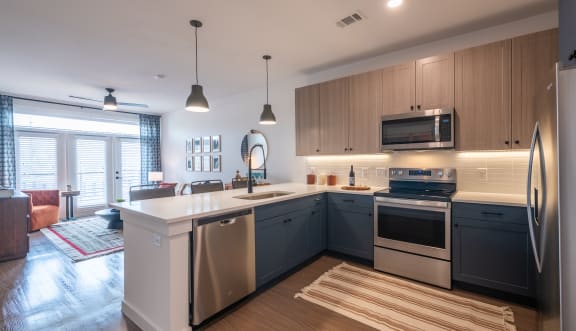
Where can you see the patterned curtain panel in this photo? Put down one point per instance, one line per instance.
(7, 148)
(149, 145)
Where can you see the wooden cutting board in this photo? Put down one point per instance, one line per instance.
(355, 188)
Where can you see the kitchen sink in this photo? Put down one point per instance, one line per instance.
(263, 195)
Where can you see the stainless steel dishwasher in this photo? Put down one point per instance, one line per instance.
(223, 264)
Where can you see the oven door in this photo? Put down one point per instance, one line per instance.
(414, 226)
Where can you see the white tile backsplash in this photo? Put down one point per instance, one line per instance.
(491, 172)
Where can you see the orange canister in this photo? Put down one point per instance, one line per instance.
(331, 179)
(310, 179)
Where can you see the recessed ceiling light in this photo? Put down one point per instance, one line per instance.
(159, 76)
(394, 3)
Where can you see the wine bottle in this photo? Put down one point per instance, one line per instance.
(351, 177)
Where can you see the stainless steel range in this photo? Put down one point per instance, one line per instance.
(412, 225)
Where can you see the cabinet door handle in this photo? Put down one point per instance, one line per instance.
(370, 214)
(313, 213)
(517, 142)
(345, 149)
(572, 55)
(318, 199)
(412, 108)
(350, 149)
(348, 200)
(456, 225)
(490, 213)
(507, 142)
(418, 107)
(317, 150)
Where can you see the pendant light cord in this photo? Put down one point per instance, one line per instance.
(196, 39)
(266, 81)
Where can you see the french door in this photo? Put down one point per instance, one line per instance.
(102, 168)
(127, 166)
(105, 169)
(88, 172)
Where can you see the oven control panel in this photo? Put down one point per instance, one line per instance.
(423, 174)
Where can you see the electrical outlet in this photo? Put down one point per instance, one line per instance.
(156, 240)
(381, 172)
(483, 173)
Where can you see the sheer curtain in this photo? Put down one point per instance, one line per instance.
(7, 148)
(149, 145)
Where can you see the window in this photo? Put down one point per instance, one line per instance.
(32, 121)
(130, 165)
(37, 162)
(96, 152)
(91, 172)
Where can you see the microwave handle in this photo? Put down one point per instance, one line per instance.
(437, 128)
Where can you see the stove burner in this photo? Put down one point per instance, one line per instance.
(421, 184)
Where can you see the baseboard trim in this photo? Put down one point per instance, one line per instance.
(139, 319)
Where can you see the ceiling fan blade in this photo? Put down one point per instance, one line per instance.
(141, 105)
(81, 98)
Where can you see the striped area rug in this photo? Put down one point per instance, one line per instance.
(85, 238)
(389, 303)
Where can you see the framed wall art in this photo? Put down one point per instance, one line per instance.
(206, 163)
(197, 145)
(197, 163)
(188, 146)
(216, 144)
(189, 163)
(216, 163)
(206, 144)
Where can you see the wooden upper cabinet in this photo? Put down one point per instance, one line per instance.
(399, 89)
(307, 120)
(365, 112)
(435, 82)
(482, 97)
(334, 105)
(533, 74)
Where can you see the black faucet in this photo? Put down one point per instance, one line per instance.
(250, 165)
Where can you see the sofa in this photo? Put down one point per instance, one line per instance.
(44, 208)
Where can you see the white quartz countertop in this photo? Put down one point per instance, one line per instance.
(188, 207)
(514, 200)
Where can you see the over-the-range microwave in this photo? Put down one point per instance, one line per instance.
(426, 129)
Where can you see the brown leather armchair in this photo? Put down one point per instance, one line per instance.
(44, 208)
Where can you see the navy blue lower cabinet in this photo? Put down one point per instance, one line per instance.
(351, 231)
(271, 239)
(494, 249)
(288, 234)
(317, 231)
(297, 249)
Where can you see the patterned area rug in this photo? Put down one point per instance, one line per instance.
(85, 238)
(388, 303)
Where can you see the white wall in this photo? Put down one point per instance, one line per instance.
(233, 116)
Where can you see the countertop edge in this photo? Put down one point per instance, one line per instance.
(499, 199)
(317, 189)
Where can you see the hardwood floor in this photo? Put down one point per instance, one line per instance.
(46, 291)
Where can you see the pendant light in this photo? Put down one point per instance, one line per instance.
(267, 117)
(196, 101)
(110, 101)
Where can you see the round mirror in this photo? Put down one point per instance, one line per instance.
(252, 138)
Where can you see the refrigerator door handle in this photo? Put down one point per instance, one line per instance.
(531, 218)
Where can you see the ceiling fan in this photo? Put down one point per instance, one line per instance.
(110, 102)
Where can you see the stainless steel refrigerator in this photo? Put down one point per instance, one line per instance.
(551, 205)
(566, 83)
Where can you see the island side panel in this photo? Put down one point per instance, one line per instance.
(156, 273)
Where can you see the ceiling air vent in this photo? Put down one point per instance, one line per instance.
(351, 19)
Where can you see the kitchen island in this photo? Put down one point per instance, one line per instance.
(157, 248)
